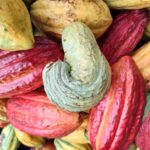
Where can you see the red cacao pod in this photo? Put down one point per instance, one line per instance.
(21, 72)
(124, 34)
(33, 113)
(3, 116)
(114, 122)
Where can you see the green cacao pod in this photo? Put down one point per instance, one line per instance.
(115, 121)
(34, 114)
(15, 26)
(51, 16)
(3, 116)
(29, 140)
(128, 4)
(8, 139)
(64, 145)
(81, 81)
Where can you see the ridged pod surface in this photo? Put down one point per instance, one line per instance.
(29, 140)
(52, 16)
(65, 145)
(8, 140)
(33, 113)
(128, 4)
(141, 58)
(115, 121)
(15, 26)
(21, 72)
(3, 116)
(123, 35)
(47, 146)
(80, 134)
(81, 80)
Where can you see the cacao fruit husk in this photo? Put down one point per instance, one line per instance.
(34, 114)
(123, 35)
(21, 72)
(65, 145)
(3, 116)
(15, 26)
(47, 146)
(51, 17)
(8, 139)
(29, 140)
(128, 4)
(79, 136)
(82, 79)
(141, 58)
(115, 121)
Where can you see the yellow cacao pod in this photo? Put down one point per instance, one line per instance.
(128, 4)
(52, 16)
(15, 26)
(142, 59)
(79, 135)
(29, 140)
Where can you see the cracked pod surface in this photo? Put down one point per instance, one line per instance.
(21, 72)
(115, 121)
(81, 80)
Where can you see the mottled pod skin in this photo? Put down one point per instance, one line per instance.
(29, 140)
(21, 72)
(114, 122)
(8, 140)
(33, 113)
(53, 16)
(141, 58)
(81, 80)
(65, 145)
(128, 4)
(123, 35)
(3, 116)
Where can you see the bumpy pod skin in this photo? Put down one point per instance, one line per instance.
(65, 145)
(3, 116)
(81, 81)
(47, 146)
(79, 136)
(52, 16)
(21, 72)
(29, 140)
(128, 4)
(114, 122)
(141, 58)
(8, 140)
(123, 35)
(15, 26)
(33, 113)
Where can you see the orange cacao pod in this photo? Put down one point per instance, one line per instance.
(114, 122)
(33, 113)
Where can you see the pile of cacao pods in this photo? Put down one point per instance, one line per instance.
(75, 74)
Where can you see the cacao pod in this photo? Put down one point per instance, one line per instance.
(81, 81)
(33, 113)
(128, 4)
(3, 116)
(123, 35)
(29, 140)
(15, 28)
(21, 72)
(141, 58)
(52, 16)
(8, 140)
(114, 122)
(79, 136)
(147, 31)
(64, 145)
(47, 146)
